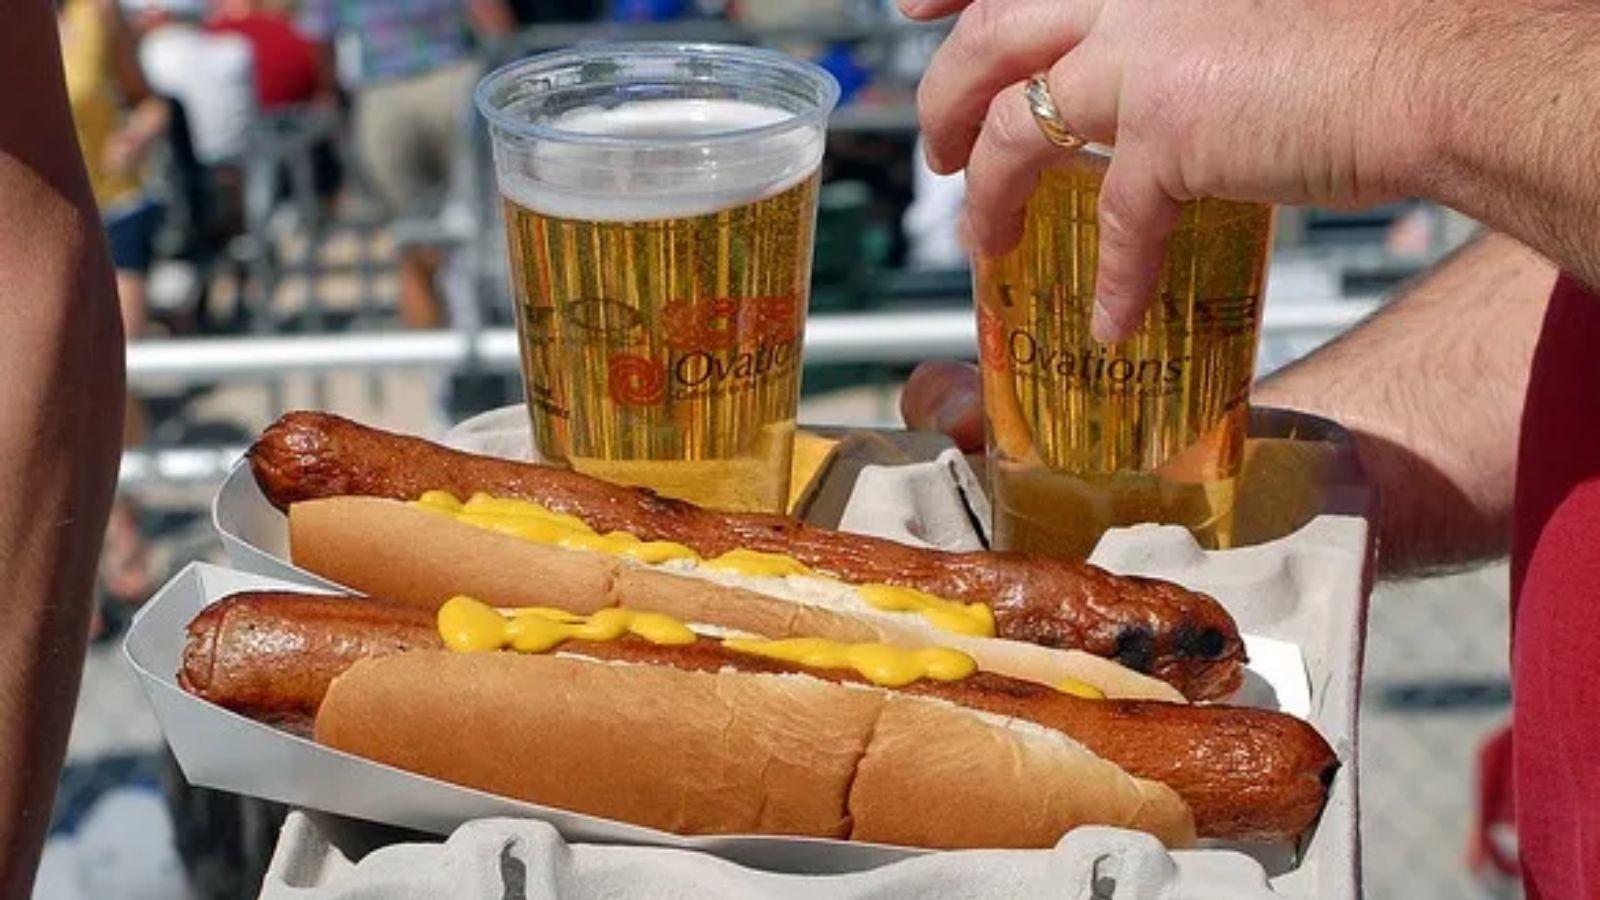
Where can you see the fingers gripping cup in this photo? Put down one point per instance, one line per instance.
(1084, 437)
(659, 203)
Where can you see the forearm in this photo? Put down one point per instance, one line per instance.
(1432, 388)
(59, 423)
(1513, 90)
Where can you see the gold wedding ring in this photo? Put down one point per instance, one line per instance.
(1044, 112)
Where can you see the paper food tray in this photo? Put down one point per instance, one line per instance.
(221, 749)
(1306, 589)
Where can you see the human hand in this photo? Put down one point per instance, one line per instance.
(1315, 102)
(945, 396)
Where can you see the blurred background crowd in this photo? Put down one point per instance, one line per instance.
(300, 208)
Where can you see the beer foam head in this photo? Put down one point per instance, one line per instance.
(657, 159)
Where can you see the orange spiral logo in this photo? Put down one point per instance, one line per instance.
(992, 339)
(635, 380)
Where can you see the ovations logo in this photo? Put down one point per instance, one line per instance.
(717, 345)
(635, 380)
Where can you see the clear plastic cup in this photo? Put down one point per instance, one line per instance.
(660, 201)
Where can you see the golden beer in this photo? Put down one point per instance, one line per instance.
(1083, 437)
(667, 352)
(659, 202)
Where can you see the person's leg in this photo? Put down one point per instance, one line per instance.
(130, 234)
(383, 148)
(125, 571)
(444, 109)
(131, 296)
(437, 101)
(393, 152)
(419, 296)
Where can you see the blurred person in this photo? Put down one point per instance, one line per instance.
(118, 119)
(208, 78)
(61, 402)
(289, 79)
(287, 70)
(1471, 394)
(411, 69)
(211, 74)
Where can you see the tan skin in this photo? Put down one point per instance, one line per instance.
(60, 425)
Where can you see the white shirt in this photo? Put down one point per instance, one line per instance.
(213, 76)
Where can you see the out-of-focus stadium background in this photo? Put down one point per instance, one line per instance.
(325, 241)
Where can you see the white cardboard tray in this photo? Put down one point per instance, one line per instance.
(1307, 589)
(224, 750)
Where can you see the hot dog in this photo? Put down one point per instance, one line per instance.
(1244, 773)
(1180, 637)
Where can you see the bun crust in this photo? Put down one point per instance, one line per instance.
(733, 753)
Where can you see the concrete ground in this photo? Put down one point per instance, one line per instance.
(1434, 687)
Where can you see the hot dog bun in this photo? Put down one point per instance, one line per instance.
(733, 752)
(390, 549)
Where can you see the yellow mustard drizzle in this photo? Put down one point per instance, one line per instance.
(535, 522)
(880, 664)
(1079, 689)
(962, 618)
(470, 626)
(756, 563)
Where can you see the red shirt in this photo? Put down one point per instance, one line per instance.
(1555, 591)
(286, 63)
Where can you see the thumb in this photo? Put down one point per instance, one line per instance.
(1135, 218)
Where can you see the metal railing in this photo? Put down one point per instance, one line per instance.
(886, 338)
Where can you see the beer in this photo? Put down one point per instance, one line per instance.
(667, 352)
(660, 265)
(1084, 437)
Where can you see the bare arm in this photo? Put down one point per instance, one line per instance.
(61, 408)
(1432, 387)
(1514, 142)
